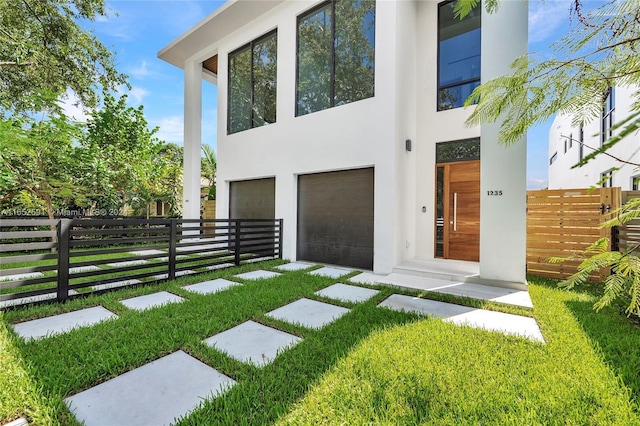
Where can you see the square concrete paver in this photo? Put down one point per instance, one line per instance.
(252, 342)
(327, 271)
(115, 284)
(62, 323)
(257, 275)
(347, 293)
(487, 292)
(79, 269)
(294, 266)
(16, 277)
(32, 299)
(309, 313)
(152, 300)
(178, 274)
(147, 252)
(127, 263)
(154, 394)
(209, 287)
(464, 315)
(366, 278)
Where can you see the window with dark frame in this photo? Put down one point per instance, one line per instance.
(606, 179)
(581, 147)
(458, 55)
(570, 140)
(635, 183)
(608, 112)
(252, 84)
(335, 55)
(553, 158)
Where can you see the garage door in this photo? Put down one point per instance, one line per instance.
(252, 199)
(335, 218)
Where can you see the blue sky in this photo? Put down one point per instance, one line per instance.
(137, 30)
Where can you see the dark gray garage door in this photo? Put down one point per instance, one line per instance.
(335, 218)
(252, 199)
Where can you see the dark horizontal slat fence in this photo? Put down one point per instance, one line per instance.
(55, 259)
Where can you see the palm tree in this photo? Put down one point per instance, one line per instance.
(209, 166)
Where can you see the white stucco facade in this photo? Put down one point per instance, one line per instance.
(367, 133)
(564, 151)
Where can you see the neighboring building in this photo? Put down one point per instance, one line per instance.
(569, 144)
(344, 119)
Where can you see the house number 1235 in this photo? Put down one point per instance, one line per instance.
(495, 193)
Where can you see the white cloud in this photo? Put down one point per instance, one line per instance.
(546, 18)
(170, 129)
(73, 108)
(135, 94)
(141, 70)
(533, 183)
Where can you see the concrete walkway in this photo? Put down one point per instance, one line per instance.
(161, 391)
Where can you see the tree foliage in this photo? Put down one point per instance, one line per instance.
(600, 51)
(44, 50)
(208, 169)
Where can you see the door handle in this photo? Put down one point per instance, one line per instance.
(455, 211)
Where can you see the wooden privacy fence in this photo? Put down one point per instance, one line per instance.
(627, 237)
(43, 259)
(563, 222)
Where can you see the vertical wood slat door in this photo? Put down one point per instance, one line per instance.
(462, 210)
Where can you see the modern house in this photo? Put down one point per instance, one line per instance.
(568, 144)
(345, 119)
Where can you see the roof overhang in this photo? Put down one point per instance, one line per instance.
(226, 19)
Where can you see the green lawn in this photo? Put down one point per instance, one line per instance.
(373, 366)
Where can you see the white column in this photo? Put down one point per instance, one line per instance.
(503, 225)
(192, 139)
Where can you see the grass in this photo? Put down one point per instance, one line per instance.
(373, 366)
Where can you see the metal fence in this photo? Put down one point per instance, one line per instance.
(44, 259)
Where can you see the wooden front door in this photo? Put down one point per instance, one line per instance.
(458, 210)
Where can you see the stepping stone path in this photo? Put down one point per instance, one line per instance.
(309, 313)
(152, 300)
(252, 343)
(294, 266)
(257, 275)
(115, 284)
(17, 277)
(209, 287)
(330, 272)
(127, 263)
(79, 269)
(57, 324)
(347, 293)
(219, 266)
(147, 252)
(464, 315)
(178, 274)
(154, 394)
(32, 299)
(171, 387)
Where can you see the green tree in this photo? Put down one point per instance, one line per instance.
(39, 160)
(599, 52)
(43, 50)
(208, 169)
(119, 150)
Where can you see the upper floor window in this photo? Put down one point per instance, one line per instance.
(607, 114)
(581, 141)
(635, 183)
(458, 55)
(252, 84)
(336, 55)
(553, 158)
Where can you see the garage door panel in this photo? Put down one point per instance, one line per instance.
(335, 218)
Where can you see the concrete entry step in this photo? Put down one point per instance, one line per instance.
(58, 324)
(252, 343)
(155, 394)
(465, 315)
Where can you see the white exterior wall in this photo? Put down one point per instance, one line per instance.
(561, 176)
(372, 132)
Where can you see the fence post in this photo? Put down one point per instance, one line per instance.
(64, 225)
(173, 235)
(280, 239)
(237, 242)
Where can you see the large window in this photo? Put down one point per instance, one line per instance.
(336, 55)
(458, 55)
(252, 84)
(606, 179)
(608, 114)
